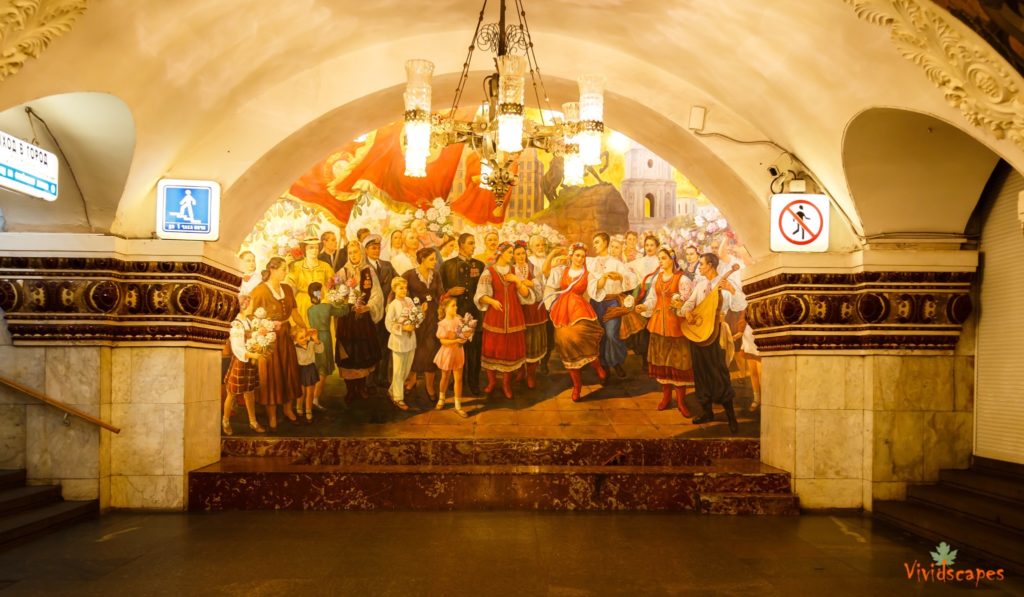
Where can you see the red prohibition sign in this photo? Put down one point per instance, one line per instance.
(812, 234)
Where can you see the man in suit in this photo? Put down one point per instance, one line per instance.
(329, 251)
(459, 276)
(385, 273)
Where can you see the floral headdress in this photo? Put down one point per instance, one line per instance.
(521, 244)
(575, 246)
(505, 246)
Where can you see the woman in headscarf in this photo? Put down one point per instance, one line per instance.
(358, 349)
(426, 291)
(279, 372)
(578, 334)
(534, 314)
(668, 352)
(500, 296)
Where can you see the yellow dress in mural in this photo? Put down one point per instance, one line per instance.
(300, 276)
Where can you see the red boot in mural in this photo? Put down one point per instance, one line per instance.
(602, 373)
(666, 396)
(680, 394)
(531, 377)
(506, 385)
(577, 384)
(492, 381)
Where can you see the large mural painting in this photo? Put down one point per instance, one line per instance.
(376, 304)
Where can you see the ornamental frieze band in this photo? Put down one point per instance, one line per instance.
(107, 301)
(917, 311)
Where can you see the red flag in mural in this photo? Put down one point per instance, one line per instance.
(476, 204)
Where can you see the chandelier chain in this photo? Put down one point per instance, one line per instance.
(469, 59)
(531, 56)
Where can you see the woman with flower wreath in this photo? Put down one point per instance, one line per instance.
(578, 334)
(535, 316)
(279, 371)
(425, 290)
(668, 351)
(358, 349)
(500, 296)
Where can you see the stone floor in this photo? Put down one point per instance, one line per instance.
(474, 553)
(622, 408)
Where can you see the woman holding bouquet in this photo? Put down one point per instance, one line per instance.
(425, 290)
(577, 332)
(668, 352)
(279, 371)
(500, 296)
(243, 375)
(358, 349)
(535, 315)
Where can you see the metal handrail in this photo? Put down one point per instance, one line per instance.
(70, 410)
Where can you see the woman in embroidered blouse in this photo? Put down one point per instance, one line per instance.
(358, 350)
(668, 352)
(243, 375)
(307, 270)
(279, 371)
(425, 289)
(578, 334)
(534, 314)
(500, 296)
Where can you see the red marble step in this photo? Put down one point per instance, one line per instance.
(775, 504)
(276, 483)
(403, 451)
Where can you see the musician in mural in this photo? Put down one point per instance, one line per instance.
(535, 316)
(358, 350)
(703, 311)
(500, 297)
(668, 353)
(577, 331)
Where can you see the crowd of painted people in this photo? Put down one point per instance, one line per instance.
(589, 305)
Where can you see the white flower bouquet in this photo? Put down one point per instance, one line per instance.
(263, 335)
(413, 316)
(467, 327)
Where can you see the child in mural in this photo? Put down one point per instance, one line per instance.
(577, 331)
(534, 314)
(500, 296)
(319, 316)
(307, 347)
(402, 339)
(668, 353)
(450, 357)
(243, 376)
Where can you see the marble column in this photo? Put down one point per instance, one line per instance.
(867, 372)
(128, 331)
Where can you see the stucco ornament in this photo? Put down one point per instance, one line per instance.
(972, 76)
(28, 26)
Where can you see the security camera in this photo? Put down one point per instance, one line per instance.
(773, 171)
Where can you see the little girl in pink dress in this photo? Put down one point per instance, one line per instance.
(450, 357)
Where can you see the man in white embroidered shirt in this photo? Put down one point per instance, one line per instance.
(710, 374)
(613, 279)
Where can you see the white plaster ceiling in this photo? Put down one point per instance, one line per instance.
(253, 93)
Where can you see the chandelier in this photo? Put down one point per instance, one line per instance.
(500, 131)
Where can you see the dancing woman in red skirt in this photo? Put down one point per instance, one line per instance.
(500, 296)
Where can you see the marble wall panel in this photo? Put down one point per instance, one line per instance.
(163, 492)
(12, 436)
(829, 493)
(778, 380)
(202, 434)
(963, 372)
(202, 375)
(838, 441)
(54, 450)
(913, 383)
(79, 489)
(805, 444)
(778, 437)
(818, 381)
(157, 376)
(74, 374)
(23, 365)
(948, 442)
(150, 442)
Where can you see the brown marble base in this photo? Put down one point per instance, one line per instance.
(538, 452)
(775, 504)
(244, 483)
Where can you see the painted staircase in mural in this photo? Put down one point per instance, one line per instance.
(708, 476)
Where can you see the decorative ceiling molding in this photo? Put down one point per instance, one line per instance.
(973, 77)
(28, 26)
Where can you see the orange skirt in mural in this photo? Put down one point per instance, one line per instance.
(580, 343)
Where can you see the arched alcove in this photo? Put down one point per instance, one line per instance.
(96, 137)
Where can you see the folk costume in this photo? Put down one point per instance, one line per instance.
(708, 303)
(668, 353)
(535, 316)
(613, 349)
(504, 331)
(358, 350)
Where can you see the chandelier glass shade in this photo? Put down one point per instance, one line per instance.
(500, 129)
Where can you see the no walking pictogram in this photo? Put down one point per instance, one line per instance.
(799, 222)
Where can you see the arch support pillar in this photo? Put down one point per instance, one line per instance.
(128, 331)
(868, 370)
